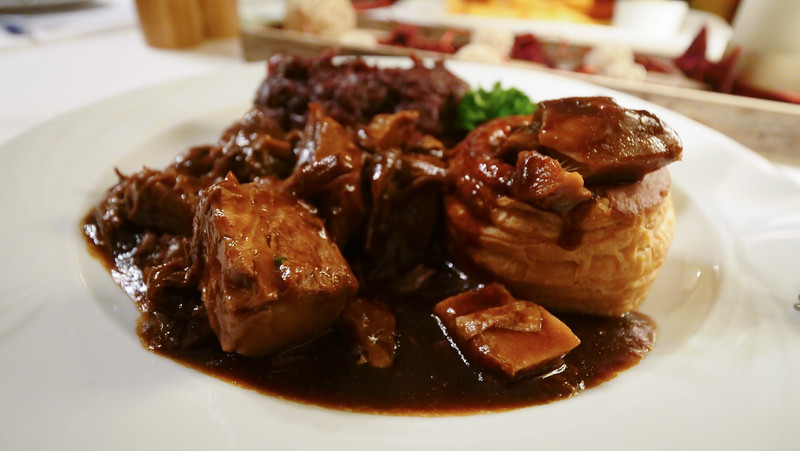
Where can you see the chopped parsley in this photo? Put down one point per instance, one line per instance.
(279, 260)
(480, 106)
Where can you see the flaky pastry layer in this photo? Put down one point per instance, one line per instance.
(624, 237)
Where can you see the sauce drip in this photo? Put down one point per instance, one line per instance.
(571, 234)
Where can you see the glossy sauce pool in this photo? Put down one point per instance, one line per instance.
(429, 376)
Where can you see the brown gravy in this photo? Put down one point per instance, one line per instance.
(429, 376)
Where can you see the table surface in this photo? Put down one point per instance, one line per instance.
(72, 59)
(43, 79)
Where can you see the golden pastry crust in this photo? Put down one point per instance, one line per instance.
(625, 233)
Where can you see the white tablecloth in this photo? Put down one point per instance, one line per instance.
(46, 74)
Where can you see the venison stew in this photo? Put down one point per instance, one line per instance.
(348, 243)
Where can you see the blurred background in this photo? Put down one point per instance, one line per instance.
(702, 44)
(707, 59)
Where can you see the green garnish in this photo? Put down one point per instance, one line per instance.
(279, 260)
(479, 106)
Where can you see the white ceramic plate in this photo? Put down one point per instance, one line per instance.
(724, 374)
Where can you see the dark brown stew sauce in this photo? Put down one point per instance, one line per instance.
(429, 376)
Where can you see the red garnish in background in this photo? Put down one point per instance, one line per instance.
(370, 4)
(528, 47)
(657, 64)
(410, 36)
(694, 64)
(721, 75)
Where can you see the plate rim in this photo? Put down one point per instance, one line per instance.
(494, 419)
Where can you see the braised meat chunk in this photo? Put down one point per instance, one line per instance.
(254, 146)
(271, 277)
(373, 326)
(149, 199)
(494, 330)
(543, 182)
(328, 174)
(605, 141)
(406, 174)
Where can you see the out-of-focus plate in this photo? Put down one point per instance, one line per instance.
(668, 43)
(723, 374)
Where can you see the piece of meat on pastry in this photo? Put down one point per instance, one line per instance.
(271, 277)
(583, 228)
